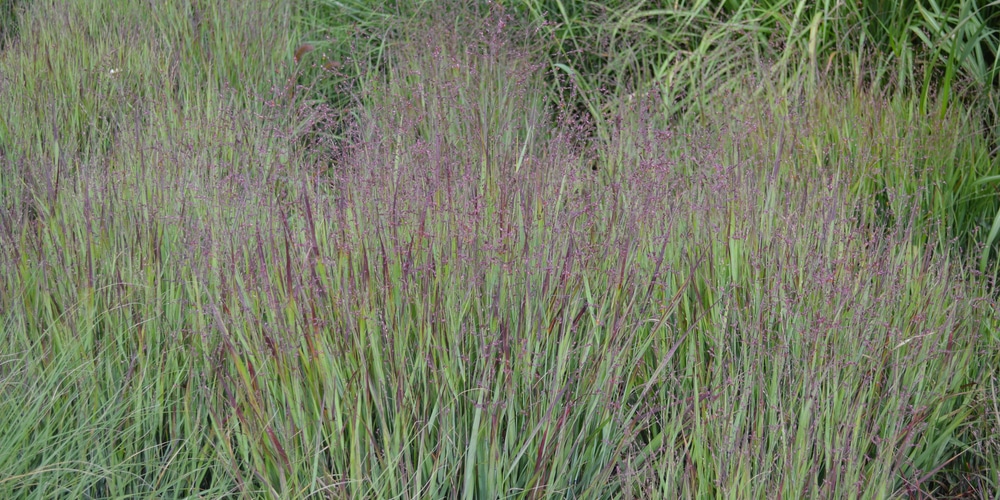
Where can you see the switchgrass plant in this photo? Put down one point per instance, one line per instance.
(927, 56)
(461, 294)
(117, 116)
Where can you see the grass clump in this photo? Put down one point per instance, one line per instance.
(448, 282)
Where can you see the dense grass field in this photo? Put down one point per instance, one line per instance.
(512, 249)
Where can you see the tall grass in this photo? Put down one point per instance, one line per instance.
(926, 55)
(688, 52)
(448, 283)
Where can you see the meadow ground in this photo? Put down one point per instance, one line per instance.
(519, 249)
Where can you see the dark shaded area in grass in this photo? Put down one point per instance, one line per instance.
(9, 21)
